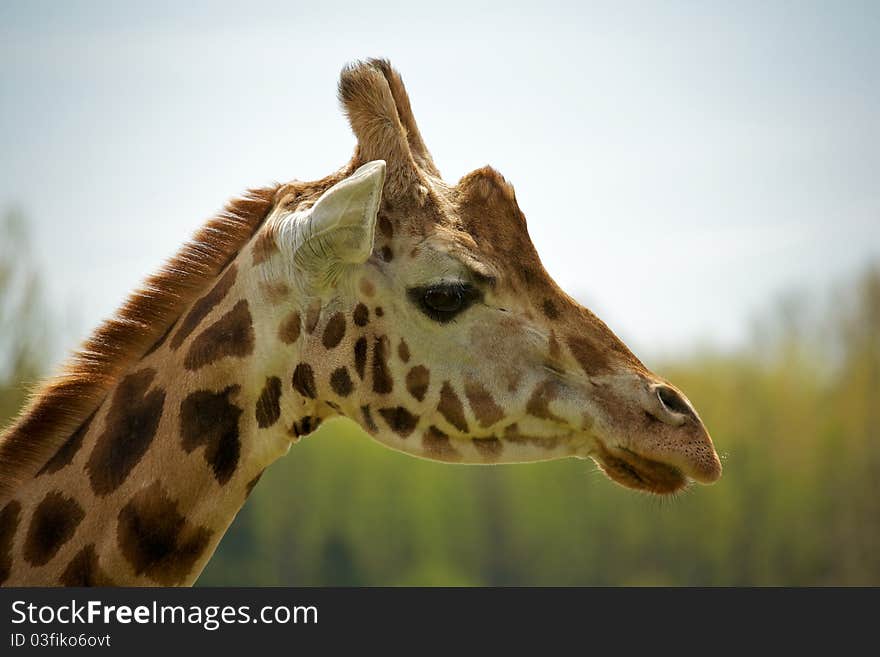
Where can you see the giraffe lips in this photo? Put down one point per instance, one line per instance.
(637, 472)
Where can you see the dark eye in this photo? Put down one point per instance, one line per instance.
(443, 301)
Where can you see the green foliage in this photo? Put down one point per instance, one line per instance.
(795, 417)
(22, 316)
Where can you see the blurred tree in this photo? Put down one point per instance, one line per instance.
(795, 416)
(23, 331)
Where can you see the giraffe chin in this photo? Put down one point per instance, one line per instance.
(628, 469)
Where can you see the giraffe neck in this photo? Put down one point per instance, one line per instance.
(143, 492)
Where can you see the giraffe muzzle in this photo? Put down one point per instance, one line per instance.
(656, 441)
(676, 435)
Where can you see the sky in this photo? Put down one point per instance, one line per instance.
(680, 164)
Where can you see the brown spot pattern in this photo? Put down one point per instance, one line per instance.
(417, 381)
(129, 429)
(399, 420)
(156, 539)
(403, 350)
(203, 306)
(385, 227)
(231, 335)
(360, 357)
(304, 426)
(53, 523)
(379, 312)
(451, 408)
(368, 419)
(313, 315)
(361, 315)
(382, 382)
(268, 408)
(539, 403)
(513, 378)
(592, 359)
(209, 419)
(488, 447)
(386, 254)
(304, 381)
(334, 331)
(264, 247)
(341, 383)
(68, 450)
(121, 341)
(367, 287)
(436, 444)
(275, 292)
(288, 332)
(84, 570)
(9, 519)
(482, 404)
(529, 276)
(551, 312)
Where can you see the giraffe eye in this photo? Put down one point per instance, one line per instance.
(443, 299)
(442, 302)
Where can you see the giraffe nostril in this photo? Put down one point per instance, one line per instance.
(673, 401)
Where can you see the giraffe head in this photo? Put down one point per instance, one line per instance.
(427, 317)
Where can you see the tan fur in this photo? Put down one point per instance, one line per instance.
(234, 350)
(369, 104)
(59, 406)
(401, 101)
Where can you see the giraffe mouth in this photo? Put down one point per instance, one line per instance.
(631, 470)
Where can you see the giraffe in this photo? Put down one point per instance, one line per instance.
(418, 309)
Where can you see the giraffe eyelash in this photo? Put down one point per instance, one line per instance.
(444, 301)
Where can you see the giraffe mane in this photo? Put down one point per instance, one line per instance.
(379, 111)
(61, 404)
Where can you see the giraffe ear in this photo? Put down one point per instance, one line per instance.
(340, 227)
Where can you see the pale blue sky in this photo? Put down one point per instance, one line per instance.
(680, 164)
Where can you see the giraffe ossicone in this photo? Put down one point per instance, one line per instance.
(416, 308)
